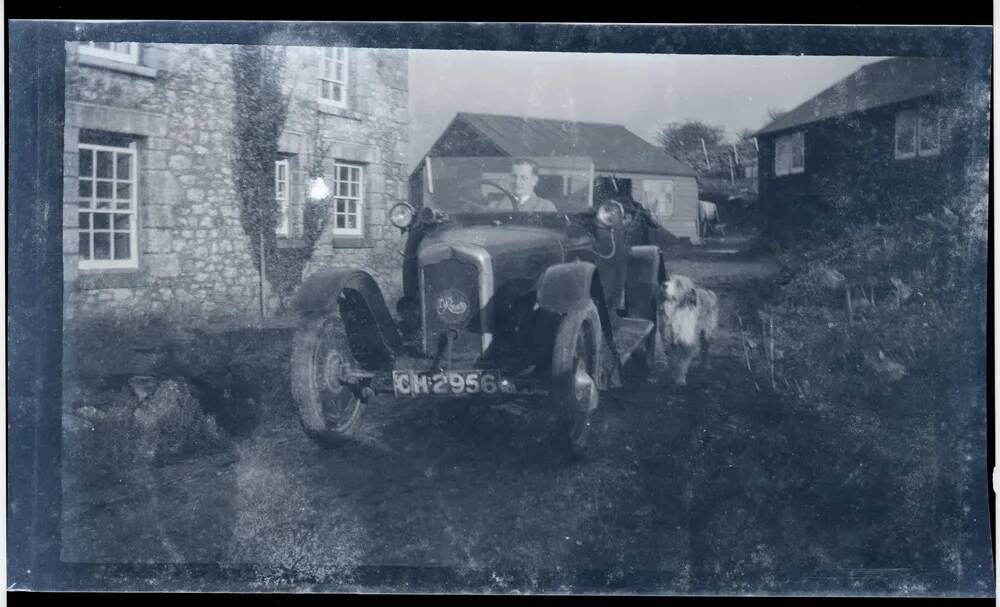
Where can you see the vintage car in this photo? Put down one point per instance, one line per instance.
(554, 307)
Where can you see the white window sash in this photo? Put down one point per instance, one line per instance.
(359, 207)
(342, 102)
(283, 227)
(901, 155)
(133, 261)
(797, 140)
(921, 150)
(782, 160)
(132, 56)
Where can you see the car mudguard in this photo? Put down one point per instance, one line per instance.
(565, 287)
(321, 291)
(568, 287)
(646, 272)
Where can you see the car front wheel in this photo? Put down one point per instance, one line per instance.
(329, 408)
(575, 366)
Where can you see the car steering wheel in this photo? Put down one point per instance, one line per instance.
(513, 199)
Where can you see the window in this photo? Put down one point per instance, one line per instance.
(281, 194)
(127, 52)
(790, 154)
(658, 197)
(929, 129)
(918, 132)
(348, 200)
(333, 77)
(107, 211)
(906, 134)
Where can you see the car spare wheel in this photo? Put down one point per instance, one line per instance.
(575, 364)
(329, 408)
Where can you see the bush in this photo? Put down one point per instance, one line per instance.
(872, 386)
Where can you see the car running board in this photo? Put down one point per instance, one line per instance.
(629, 333)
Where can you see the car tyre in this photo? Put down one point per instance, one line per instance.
(576, 363)
(330, 410)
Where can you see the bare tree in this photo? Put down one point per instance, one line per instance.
(774, 113)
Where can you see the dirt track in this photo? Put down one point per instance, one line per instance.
(677, 485)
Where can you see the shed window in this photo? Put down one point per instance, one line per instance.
(918, 132)
(929, 130)
(790, 154)
(906, 134)
(658, 197)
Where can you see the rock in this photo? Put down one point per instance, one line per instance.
(143, 385)
(171, 424)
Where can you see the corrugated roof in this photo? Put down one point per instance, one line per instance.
(612, 147)
(873, 85)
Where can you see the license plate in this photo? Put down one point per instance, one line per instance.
(446, 383)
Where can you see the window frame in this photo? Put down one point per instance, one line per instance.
(900, 155)
(798, 139)
(646, 202)
(935, 151)
(343, 103)
(283, 228)
(132, 263)
(359, 230)
(784, 163)
(131, 57)
(919, 112)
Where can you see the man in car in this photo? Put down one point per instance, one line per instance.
(524, 178)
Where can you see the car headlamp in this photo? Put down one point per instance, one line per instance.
(610, 214)
(401, 215)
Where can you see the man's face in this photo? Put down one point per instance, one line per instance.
(522, 179)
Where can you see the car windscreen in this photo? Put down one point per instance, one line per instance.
(556, 184)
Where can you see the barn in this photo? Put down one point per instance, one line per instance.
(622, 161)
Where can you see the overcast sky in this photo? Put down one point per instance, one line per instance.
(643, 92)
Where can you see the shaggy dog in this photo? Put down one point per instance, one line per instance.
(688, 317)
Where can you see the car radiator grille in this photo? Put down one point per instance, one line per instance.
(451, 304)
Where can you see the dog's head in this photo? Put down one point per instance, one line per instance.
(678, 291)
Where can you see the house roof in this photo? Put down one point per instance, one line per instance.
(873, 85)
(612, 147)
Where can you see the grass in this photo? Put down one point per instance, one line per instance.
(870, 345)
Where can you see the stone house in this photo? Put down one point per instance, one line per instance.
(151, 218)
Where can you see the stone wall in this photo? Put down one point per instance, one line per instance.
(195, 265)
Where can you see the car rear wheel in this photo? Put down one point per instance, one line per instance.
(329, 408)
(575, 366)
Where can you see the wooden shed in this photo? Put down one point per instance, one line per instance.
(895, 137)
(622, 161)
